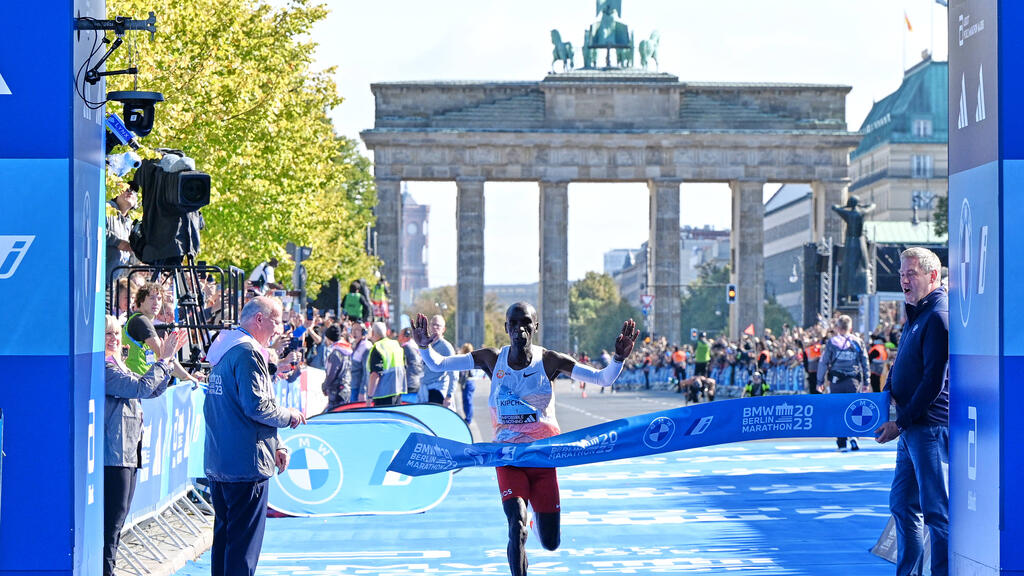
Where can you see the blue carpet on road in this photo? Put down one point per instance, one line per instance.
(769, 507)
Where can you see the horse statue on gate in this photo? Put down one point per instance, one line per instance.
(649, 50)
(624, 56)
(563, 52)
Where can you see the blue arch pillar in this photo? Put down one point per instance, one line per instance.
(51, 286)
(986, 204)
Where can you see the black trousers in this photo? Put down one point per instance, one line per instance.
(435, 397)
(240, 515)
(118, 491)
(842, 385)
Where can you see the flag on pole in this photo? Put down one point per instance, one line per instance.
(907, 20)
(749, 331)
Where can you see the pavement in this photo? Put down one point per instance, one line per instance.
(793, 507)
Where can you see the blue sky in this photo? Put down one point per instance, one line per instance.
(859, 43)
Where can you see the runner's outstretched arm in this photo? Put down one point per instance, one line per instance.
(438, 363)
(607, 375)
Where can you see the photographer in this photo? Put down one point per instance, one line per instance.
(119, 225)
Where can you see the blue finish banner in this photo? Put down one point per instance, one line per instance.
(339, 467)
(757, 418)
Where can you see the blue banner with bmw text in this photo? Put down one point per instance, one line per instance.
(704, 424)
(339, 466)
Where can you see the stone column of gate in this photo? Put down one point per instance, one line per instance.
(389, 241)
(553, 292)
(826, 194)
(747, 239)
(469, 224)
(665, 244)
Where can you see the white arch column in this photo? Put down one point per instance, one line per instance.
(469, 223)
(389, 241)
(553, 292)
(663, 263)
(747, 262)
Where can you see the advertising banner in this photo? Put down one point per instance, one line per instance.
(738, 420)
(339, 467)
(976, 274)
(171, 451)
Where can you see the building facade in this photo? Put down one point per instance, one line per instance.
(900, 164)
(697, 247)
(787, 229)
(415, 239)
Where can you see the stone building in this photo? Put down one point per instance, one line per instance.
(900, 163)
(415, 239)
(787, 230)
(607, 126)
(697, 246)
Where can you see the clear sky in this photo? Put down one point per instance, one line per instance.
(864, 44)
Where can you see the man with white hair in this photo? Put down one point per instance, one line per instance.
(386, 366)
(437, 386)
(242, 444)
(919, 386)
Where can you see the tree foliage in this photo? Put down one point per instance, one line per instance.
(703, 301)
(244, 102)
(942, 215)
(443, 301)
(596, 313)
(775, 315)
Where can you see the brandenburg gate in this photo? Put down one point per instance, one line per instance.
(620, 125)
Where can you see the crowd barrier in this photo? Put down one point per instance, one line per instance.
(174, 434)
(781, 379)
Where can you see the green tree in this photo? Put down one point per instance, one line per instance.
(244, 102)
(775, 315)
(596, 313)
(703, 301)
(942, 215)
(443, 301)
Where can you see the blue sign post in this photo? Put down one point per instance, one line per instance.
(51, 265)
(986, 169)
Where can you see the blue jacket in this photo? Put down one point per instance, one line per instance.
(918, 379)
(242, 416)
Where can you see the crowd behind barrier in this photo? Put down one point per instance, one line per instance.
(784, 361)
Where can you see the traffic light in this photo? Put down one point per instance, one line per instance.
(730, 293)
(693, 334)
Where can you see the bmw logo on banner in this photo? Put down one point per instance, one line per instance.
(315, 474)
(862, 416)
(659, 432)
(339, 466)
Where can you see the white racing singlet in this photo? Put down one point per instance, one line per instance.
(522, 407)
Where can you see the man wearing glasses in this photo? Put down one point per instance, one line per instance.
(242, 444)
(119, 225)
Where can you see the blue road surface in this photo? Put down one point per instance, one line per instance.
(793, 507)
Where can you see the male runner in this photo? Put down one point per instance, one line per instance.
(523, 410)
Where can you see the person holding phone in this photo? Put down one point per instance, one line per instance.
(123, 428)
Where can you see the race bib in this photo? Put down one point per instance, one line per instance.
(512, 410)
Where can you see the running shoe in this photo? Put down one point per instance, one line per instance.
(853, 444)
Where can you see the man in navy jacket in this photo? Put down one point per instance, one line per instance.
(918, 384)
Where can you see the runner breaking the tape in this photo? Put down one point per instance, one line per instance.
(523, 410)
